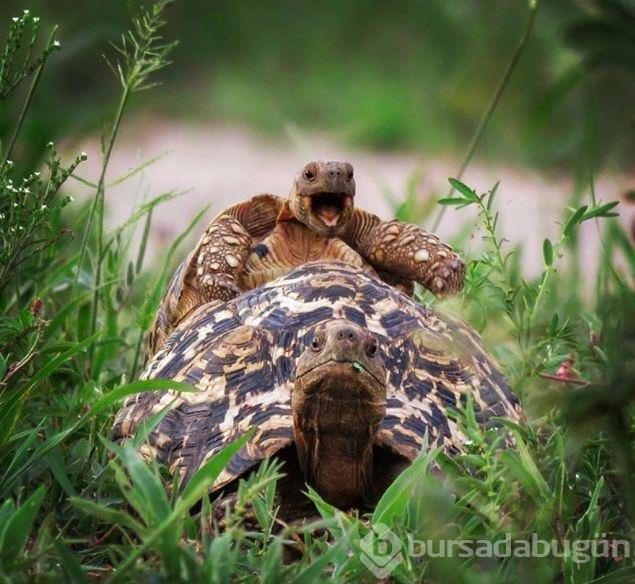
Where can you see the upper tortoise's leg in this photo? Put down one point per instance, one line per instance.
(407, 251)
(210, 271)
(218, 259)
(220, 256)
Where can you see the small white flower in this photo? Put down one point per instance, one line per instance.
(43, 207)
(57, 44)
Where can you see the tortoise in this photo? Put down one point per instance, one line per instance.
(343, 377)
(257, 240)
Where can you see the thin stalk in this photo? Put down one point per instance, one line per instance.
(490, 229)
(97, 213)
(142, 55)
(29, 97)
(489, 113)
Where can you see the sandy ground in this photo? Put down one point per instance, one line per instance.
(217, 166)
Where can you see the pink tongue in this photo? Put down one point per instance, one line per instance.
(329, 214)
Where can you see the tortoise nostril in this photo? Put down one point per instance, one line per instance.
(347, 333)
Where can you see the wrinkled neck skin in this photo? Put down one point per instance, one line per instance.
(334, 435)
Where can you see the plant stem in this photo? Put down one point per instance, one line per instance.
(489, 112)
(97, 213)
(29, 97)
(490, 229)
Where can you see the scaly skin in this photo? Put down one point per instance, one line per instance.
(263, 238)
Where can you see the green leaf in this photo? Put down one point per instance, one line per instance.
(453, 201)
(326, 510)
(547, 252)
(553, 324)
(16, 530)
(315, 570)
(574, 220)
(142, 487)
(524, 468)
(143, 430)
(58, 466)
(205, 476)
(394, 501)
(72, 568)
(57, 361)
(197, 487)
(108, 515)
(601, 211)
(49, 444)
(6, 511)
(137, 387)
(9, 414)
(468, 193)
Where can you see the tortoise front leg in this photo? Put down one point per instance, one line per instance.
(409, 251)
(209, 273)
(217, 261)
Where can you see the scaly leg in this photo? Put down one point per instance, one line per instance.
(218, 260)
(209, 273)
(408, 251)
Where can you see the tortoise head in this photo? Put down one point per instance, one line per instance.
(338, 402)
(322, 197)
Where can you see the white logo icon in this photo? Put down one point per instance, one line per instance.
(381, 550)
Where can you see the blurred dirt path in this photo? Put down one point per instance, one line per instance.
(218, 166)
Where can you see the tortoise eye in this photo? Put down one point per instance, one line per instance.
(309, 173)
(371, 348)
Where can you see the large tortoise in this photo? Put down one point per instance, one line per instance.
(260, 239)
(342, 376)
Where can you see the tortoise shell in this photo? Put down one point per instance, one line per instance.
(241, 358)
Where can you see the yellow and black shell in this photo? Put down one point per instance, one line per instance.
(240, 356)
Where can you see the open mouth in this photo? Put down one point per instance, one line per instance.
(329, 206)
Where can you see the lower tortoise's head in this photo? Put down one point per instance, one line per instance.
(322, 197)
(338, 401)
(344, 356)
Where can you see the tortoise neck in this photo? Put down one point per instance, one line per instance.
(334, 439)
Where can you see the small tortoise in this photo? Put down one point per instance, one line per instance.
(260, 239)
(343, 377)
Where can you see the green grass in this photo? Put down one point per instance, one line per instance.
(74, 305)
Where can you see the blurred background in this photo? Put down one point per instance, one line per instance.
(258, 88)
